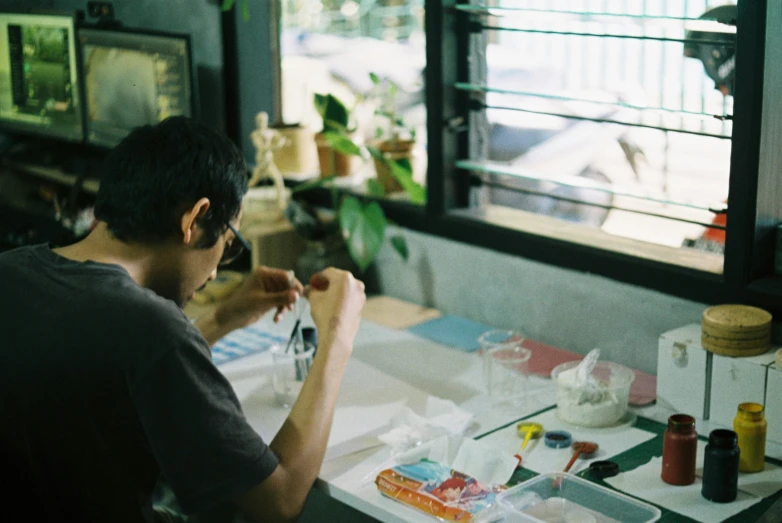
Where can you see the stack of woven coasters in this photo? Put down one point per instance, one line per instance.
(736, 330)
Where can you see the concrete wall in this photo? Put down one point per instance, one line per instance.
(567, 309)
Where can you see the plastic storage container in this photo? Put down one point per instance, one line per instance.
(601, 405)
(560, 497)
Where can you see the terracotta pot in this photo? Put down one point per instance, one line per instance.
(331, 161)
(392, 150)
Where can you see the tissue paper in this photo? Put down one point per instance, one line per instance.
(441, 418)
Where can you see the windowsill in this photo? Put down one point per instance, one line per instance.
(560, 230)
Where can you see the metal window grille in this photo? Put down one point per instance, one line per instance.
(602, 112)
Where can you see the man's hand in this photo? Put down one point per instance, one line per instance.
(264, 289)
(337, 299)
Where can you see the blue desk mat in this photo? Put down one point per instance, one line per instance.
(243, 342)
(453, 331)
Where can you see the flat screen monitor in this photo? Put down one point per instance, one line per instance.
(39, 80)
(131, 79)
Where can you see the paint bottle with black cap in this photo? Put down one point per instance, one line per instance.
(721, 466)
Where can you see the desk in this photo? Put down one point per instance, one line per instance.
(412, 370)
(390, 367)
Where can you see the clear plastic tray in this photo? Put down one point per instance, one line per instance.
(559, 497)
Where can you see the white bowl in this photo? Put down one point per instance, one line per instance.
(602, 405)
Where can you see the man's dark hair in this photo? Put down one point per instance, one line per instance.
(157, 172)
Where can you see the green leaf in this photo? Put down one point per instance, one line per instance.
(246, 10)
(375, 78)
(228, 5)
(334, 113)
(349, 215)
(375, 188)
(402, 171)
(320, 103)
(378, 132)
(399, 244)
(341, 143)
(374, 152)
(363, 228)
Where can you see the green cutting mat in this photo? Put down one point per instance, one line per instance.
(640, 455)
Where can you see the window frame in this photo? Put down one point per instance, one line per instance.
(748, 268)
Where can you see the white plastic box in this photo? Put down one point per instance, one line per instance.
(774, 404)
(710, 387)
(681, 371)
(559, 496)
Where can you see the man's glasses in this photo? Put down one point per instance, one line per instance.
(235, 248)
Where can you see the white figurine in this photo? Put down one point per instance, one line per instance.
(266, 141)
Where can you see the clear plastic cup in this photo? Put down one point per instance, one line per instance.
(505, 363)
(290, 369)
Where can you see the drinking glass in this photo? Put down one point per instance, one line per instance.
(290, 369)
(505, 363)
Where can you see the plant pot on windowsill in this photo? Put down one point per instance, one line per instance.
(392, 150)
(337, 153)
(298, 154)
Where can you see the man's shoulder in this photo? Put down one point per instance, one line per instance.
(17, 254)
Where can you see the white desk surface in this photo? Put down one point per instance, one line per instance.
(412, 370)
(390, 369)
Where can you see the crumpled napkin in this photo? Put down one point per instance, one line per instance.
(441, 418)
(487, 464)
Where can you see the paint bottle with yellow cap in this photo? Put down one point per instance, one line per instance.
(750, 425)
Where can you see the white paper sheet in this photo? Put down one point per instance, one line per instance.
(542, 459)
(368, 397)
(645, 483)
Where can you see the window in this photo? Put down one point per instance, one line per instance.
(616, 118)
(332, 46)
(661, 157)
(513, 79)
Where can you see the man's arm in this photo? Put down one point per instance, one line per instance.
(301, 442)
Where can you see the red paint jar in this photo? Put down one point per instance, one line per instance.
(680, 446)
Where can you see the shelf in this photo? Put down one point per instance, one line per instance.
(89, 185)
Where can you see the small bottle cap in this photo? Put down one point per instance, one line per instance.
(723, 439)
(557, 439)
(753, 411)
(681, 423)
(603, 469)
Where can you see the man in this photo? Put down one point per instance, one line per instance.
(105, 385)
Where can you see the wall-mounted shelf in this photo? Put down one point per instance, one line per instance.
(54, 174)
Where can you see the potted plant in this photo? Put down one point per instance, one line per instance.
(394, 139)
(336, 148)
(358, 227)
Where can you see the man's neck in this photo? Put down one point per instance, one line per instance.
(102, 247)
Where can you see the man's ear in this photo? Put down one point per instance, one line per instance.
(189, 220)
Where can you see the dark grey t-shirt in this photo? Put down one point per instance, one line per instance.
(105, 385)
